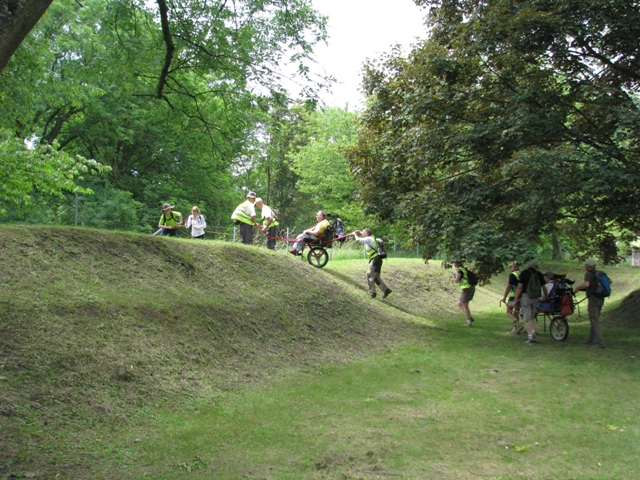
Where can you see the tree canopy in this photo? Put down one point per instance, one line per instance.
(512, 120)
(165, 95)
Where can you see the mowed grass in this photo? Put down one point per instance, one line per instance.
(452, 403)
(128, 356)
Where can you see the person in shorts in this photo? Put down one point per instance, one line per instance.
(509, 297)
(467, 291)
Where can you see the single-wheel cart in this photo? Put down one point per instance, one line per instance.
(560, 305)
(317, 255)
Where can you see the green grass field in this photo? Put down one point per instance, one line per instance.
(124, 356)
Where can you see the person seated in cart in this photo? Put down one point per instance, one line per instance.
(548, 293)
(310, 234)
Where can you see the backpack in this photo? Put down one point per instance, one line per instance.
(566, 305)
(472, 278)
(382, 253)
(534, 288)
(339, 229)
(329, 235)
(603, 285)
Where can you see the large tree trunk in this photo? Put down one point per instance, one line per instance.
(17, 18)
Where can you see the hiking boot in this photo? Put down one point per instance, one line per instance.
(387, 292)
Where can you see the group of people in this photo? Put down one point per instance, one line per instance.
(524, 301)
(519, 298)
(245, 216)
(170, 221)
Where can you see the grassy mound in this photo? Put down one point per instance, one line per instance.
(95, 325)
(106, 336)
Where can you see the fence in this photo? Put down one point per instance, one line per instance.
(287, 235)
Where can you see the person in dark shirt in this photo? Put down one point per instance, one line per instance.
(528, 301)
(594, 306)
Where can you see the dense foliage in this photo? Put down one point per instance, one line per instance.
(514, 119)
(165, 95)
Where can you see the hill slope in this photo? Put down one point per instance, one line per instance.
(96, 327)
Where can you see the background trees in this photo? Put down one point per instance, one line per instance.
(514, 119)
(166, 96)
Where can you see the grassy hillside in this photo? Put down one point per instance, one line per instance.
(95, 325)
(103, 333)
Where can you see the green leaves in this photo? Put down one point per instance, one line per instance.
(41, 169)
(508, 122)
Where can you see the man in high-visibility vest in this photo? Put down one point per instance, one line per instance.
(375, 262)
(245, 216)
(461, 277)
(269, 223)
(169, 222)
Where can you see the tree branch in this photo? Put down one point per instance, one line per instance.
(166, 34)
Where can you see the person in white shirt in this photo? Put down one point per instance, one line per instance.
(197, 223)
(269, 223)
(375, 262)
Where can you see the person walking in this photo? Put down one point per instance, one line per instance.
(310, 234)
(197, 223)
(169, 221)
(461, 277)
(510, 291)
(594, 305)
(375, 262)
(528, 295)
(245, 216)
(269, 223)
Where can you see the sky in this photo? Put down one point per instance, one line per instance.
(361, 29)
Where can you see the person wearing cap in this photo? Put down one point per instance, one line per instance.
(310, 234)
(510, 291)
(467, 291)
(169, 221)
(594, 305)
(269, 223)
(245, 216)
(527, 303)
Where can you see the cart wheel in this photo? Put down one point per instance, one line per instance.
(317, 257)
(559, 329)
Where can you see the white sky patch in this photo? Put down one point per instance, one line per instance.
(360, 30)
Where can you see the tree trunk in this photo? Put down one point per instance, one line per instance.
(557, 255)
(17, 18)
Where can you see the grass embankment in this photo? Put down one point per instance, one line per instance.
(126, 356)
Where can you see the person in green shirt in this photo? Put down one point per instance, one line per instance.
(466, 291)
(169, 221)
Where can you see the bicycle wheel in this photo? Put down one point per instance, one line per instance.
(559, 329)
(318, 257)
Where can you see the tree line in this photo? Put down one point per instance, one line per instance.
(513, 121)
(512, 124)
